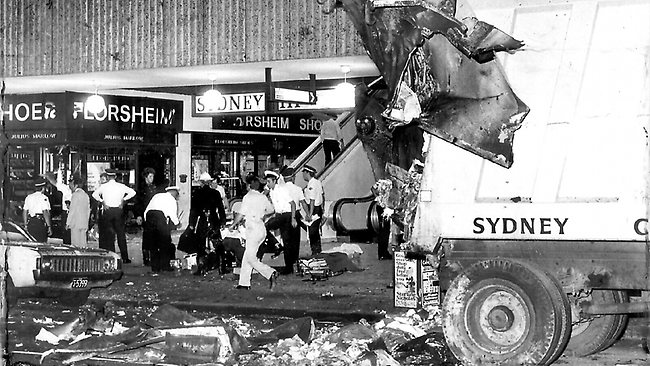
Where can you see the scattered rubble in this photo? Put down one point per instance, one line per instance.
(174, 336)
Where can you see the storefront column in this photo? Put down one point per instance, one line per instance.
(184, 170)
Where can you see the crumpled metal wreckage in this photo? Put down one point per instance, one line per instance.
(174, 336)
(438, 63)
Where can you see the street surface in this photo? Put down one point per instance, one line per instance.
(31, 315)
(343, 299)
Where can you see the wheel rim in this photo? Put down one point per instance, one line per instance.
(504, 319)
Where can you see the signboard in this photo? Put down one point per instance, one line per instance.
(276, 123)
(406, 275)
(286, 145)
(416, 283)
(326, 99)
(63, 118)
(229, 103)
(295, 95)
(125, 120)
(35, 118)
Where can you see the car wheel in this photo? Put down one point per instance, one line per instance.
(73, 298)
(506, 312)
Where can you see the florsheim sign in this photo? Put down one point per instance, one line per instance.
(63, 118)
(303, 124)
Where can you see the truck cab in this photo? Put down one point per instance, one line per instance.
(541, 258)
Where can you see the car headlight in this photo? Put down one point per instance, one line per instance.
(45, 264)
(109, 264)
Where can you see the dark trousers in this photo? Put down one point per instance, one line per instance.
(383, 237)
(114, 221)
(314, 231)
(37, 227)
(157, 230)
(331, 148)
(105, 232)
(291, 251)
(66, 232)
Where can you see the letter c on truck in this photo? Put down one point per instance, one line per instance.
(640, 226)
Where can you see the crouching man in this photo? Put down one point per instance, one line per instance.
(161, 216)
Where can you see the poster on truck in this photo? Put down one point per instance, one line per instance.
(406, 273)
(416, 282)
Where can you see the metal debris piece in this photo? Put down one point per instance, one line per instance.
(440, 55)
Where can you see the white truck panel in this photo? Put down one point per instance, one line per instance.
(581, 158)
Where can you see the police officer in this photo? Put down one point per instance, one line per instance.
(314, 196)
(160, 212)
(285, 218)
(36, 213)
(112, 196)
(255, 207)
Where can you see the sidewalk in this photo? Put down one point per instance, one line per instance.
(351, 295)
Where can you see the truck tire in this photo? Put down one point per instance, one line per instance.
(596, 333)
(73, 298)
(506, 312)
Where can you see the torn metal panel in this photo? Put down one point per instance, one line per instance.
(426, 54)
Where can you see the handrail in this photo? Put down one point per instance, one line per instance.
(317, 146)
(337, 221)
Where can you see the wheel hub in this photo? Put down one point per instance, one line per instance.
(501, 318)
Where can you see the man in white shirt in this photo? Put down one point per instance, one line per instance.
(36, 213)
(299, 199)
(160, 212)
(112, 196)
(314, 196)
(255, 207)
(284, 219)
(330, 134)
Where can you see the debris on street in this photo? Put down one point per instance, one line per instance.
(174, 336)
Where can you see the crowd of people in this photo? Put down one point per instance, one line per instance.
(272, 204)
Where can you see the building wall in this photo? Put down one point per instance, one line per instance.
(61, 37)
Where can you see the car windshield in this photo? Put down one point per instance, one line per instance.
(11, 231)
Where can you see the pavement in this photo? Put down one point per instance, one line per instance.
(349, 296)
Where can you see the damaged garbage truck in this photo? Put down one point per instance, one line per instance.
(534, 205)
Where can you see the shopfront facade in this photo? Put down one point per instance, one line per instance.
(55, 133)
(245, 133)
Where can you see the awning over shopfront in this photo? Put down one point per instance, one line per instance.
(62, 118)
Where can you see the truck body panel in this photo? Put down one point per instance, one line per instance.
(580, 170)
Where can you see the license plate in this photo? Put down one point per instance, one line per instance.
(80, 283)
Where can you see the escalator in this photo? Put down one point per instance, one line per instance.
(349, 205)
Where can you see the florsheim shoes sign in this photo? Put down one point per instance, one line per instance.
(63, 117)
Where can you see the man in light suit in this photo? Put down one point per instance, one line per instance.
(77, 221)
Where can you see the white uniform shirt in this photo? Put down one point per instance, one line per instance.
(66, 195)
(296, 193)
(166, 203)
(36, 203)
(255, 205)
(314, 191)
(281, 198)
(112, 193)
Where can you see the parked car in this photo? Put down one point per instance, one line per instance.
(49, 270)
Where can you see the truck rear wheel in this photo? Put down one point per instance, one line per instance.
(593, 333)
(504, 311)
